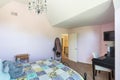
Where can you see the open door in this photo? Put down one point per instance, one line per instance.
(72, 41)
(64, 45)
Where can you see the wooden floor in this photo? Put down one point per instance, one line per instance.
(81, 68)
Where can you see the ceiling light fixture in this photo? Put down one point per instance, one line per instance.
(39, 6)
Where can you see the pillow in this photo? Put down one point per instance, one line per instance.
(15, 70)
(5, 67)
(1, 65)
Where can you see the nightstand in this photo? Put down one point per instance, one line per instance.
(22, 57)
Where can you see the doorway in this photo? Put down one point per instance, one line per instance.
(65, 46)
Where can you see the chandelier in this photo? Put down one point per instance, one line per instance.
(39, 6)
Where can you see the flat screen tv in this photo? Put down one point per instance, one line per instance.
(109, 36)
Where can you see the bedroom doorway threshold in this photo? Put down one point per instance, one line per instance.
(64, 42)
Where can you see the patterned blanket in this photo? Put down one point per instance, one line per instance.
(48, 70)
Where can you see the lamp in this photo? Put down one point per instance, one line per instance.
(39, 6)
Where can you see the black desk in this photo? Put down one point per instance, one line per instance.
(107, 62)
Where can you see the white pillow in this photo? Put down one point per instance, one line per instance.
(1, 65)
(6, 69)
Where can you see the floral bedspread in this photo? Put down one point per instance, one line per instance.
(48, 70)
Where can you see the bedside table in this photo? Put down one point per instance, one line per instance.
(22, 57)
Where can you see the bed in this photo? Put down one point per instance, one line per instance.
(48, 70)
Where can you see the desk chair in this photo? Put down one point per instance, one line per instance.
(100, 68)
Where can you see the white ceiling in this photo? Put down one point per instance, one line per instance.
(75, 13)
(4, 2)
(101, 14)
(117, 4)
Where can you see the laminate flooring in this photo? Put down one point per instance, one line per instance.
(81, 68)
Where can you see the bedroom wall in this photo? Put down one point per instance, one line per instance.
(26, 32)
(117, 43)
(87, 36)
(117, 39)
(31, 33)
(106, 27)
(90, 39)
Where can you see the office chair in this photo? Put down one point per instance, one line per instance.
(100, 68)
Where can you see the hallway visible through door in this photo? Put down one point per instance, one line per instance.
(65, 46)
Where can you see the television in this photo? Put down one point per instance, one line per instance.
(109, 36)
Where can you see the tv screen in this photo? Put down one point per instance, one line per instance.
(109, 36)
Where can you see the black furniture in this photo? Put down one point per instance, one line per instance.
(109, 36)
(112, 51)
(104, 61)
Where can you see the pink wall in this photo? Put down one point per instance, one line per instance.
(26, 33)
(105, 27)
(90, 39)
